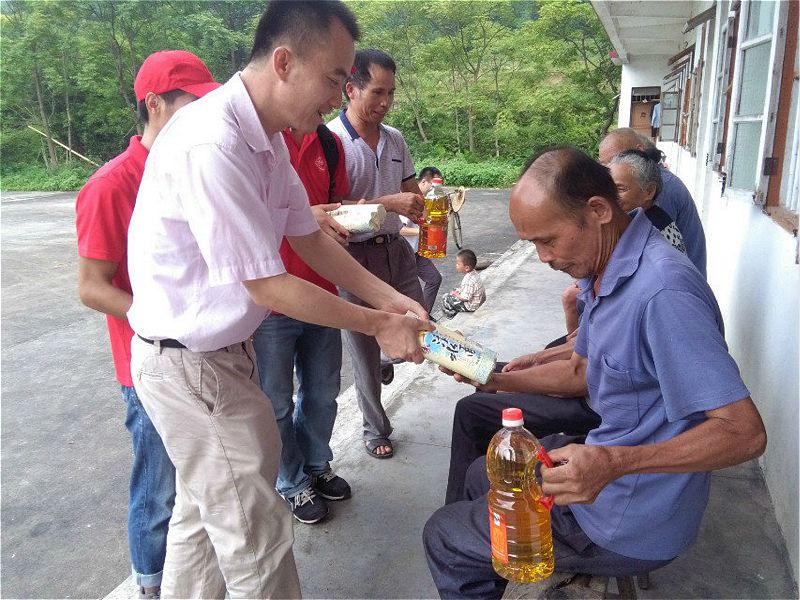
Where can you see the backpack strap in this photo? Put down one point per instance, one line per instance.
(331, 152)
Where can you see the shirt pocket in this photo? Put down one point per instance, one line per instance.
(617, 399)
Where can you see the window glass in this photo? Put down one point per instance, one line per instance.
(755, 76)
(745, 155)
(759, 18)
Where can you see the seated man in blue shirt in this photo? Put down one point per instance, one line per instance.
(650, 354)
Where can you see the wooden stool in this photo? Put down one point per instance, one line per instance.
(569, 586)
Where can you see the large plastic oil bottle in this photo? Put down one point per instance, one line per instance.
(433, 228)
(519, 516)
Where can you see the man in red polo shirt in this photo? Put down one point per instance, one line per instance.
(165, 82)
(283, 345)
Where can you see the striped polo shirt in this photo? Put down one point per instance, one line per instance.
(370, 175)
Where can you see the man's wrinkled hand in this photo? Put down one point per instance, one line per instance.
(328, 224)
(490, 387)
(408, 204)
(580, 473)
(522, 362)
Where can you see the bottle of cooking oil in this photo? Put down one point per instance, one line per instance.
(519, 517)
(433, 228)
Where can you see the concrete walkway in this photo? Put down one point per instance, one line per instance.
(371, 545)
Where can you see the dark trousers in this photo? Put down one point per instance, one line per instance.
(458, 547)
(479, 416)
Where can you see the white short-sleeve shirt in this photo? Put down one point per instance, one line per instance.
(374, 175)
(216, 199)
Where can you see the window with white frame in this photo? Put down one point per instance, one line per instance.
(753, 95)
(722, 74)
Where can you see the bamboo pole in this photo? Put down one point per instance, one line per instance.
(79, 155)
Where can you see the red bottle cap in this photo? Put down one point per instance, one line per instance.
(436, 180)
(512, 417)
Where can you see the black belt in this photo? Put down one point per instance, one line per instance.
(165, 343)
(384, 238)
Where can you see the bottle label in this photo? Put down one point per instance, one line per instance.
(437, 237)
(448, 348)
(497, 527)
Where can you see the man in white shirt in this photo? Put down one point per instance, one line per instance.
(215, 202)
(380, 170)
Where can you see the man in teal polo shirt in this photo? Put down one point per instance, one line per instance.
(651, 355)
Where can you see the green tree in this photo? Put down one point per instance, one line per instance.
(481, 83)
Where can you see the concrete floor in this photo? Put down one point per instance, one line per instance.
(65, 457)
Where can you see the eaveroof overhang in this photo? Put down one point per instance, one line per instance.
(642, 28)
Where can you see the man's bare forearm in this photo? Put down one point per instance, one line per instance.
(562, 352)
(97, 291)
(731, 435)
(397, 334)
(561, 378)
(106, 299)
(304, 301)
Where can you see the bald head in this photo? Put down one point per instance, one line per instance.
(566, 204)
(620, 140)
(623, 139)
(570, 177)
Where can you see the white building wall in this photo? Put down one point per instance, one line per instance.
(638, 73)
(752, 270)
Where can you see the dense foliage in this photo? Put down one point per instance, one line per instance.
(481, 84)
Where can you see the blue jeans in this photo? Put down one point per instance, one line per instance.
(282, 346)
(152, 495)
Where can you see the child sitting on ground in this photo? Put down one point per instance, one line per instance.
(470, 294)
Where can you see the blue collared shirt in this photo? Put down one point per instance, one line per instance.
(678, 203)
(657, 359)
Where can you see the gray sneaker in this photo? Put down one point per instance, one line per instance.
(153, 593)
(307, 506)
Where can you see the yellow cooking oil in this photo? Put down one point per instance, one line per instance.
(521, 536)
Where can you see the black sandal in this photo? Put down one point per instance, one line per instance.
(372, 445)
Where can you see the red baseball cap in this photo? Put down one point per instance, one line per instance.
(169, 70)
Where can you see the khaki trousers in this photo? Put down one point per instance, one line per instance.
(229, 528)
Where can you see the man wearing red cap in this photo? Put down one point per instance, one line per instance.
(165, 82)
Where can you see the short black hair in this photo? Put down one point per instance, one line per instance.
(168, 97)
(429, 173)
(301, 23)
(365, 58)
(468, 257)
(573, 177)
